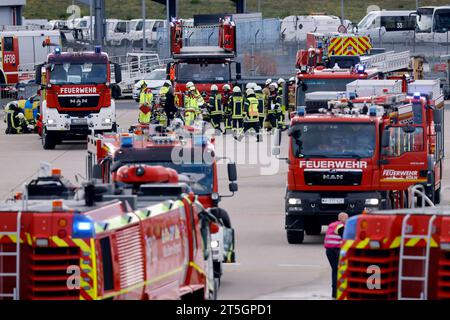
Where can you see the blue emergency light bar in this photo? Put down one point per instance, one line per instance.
(98, 49)
(57, 50)
(361, 68)
(126, 141)
(82, 226)
(301, 111)
(373, 111)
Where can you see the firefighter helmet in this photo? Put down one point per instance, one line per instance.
(214, 88)
(292, 79)
(168, 82)
(268, 81)
(280, 81)
(226, 87)
(189, 84)
(236, 89)
(20, 116)
(273, 86)
(249, 91)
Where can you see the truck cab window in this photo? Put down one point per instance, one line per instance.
(401, 142)
(8, 44)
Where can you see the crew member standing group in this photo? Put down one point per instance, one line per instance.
(332, 244)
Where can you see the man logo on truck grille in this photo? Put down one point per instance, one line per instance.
(333, 177)
(78, 102)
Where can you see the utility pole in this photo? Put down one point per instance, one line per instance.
(144, 40)
(342, 12)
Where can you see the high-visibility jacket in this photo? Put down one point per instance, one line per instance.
(199, 98)
(236, 106)
(251, 109)
(215, 104)
(191, 103)
(260, 97)
(162, 94)
(332, 238)
(146, 96)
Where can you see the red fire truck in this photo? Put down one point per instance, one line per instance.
(331, 61)
(145, 238)
(202, 65)
(76, 95)
(361, 153)
(190, 153)
(396, 254)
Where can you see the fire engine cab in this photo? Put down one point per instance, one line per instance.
(146, 237)
(202, 65)
(76, 95)
(189, 152)
(361, 152)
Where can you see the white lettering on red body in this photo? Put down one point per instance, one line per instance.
(398, 175)
(77, 90)
(326, 164)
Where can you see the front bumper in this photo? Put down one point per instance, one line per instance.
(102, 121)
(329, 203)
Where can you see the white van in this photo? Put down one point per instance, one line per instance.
(295, 28)
(391, 26)
(433, 24)
(117, 31)
(151, 27)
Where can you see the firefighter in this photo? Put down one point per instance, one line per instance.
(145, 108)
(227, 111)
(273, 107)
(167, 98)
(15, 120)
(215, 108)
(332, 244)
(236, 105)
(291, 96)
(282, 115)
(266, 94)
(251, 113)
(260, 96)
(191, 106)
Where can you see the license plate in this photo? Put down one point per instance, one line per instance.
(333, 201)
(79, 121)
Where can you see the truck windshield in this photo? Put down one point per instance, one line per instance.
(424, 19)
(203, 72)
(78, 73)
(442, 20)
(200, 175)
(333, 140)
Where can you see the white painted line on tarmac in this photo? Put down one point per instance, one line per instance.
(287, 265)
(232, 264)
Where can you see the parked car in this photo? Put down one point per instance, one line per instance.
(154, 80)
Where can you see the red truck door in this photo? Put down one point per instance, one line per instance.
(403, 157)
(10, 59)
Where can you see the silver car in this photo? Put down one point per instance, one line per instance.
(154, 80)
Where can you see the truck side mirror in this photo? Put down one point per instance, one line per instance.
(238, 71)
(233, 187)
(38, 74)
(97, 172)
(232, 171)
(385, 139)
(117, 73)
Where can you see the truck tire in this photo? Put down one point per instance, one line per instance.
(222, 215)
(437, 196)
(295, 237)
(48, 141)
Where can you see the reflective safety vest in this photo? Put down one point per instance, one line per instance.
(162, 94)
(237, 107)
(332, 238)
(191, 103)
(146, 96)
(199, 97)
(260, 97)
(215, 104)
(251, 109)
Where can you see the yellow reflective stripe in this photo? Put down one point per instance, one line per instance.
(395, 243)
(412, 242)
(433, 243)
(140, 285)
(196, 267)
(29, 240)
(59, 242)
(347, 245)
(363, 243)
(80, 243)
